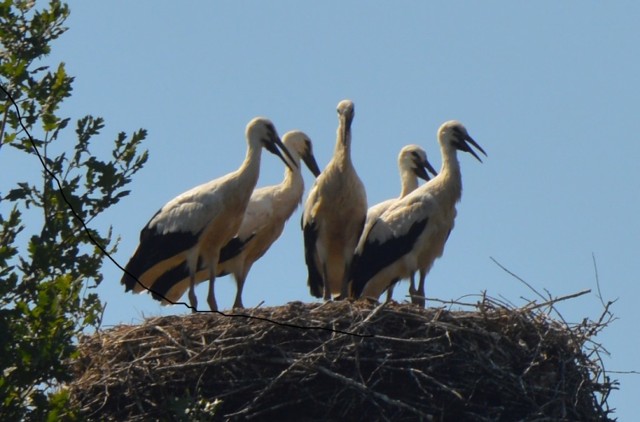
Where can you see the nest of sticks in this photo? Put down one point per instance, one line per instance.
(486, 361)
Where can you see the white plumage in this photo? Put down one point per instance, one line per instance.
(195, 225)
(412, 232)
(412, 164)
(267, 212)
(334, 216)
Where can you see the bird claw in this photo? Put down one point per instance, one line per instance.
(418, 300)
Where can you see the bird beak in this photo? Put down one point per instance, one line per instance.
(345, 123)
(276, 146)
(464, 146)
(311, 163)
(423, 168)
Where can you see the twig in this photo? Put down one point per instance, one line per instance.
(533, 305)
(438, 383)
(368, 391)
(190, 353)
(518, 278)
(595, 270)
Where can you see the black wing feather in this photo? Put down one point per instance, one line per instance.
(315, 282)
(153, 249)
(233, 248)
(161, 286)
(376, 256)
(168, 279)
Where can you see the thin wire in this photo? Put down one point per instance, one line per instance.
(117, 264)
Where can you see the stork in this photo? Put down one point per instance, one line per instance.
(412, 232)
(412, 163)
(195, 225)
(334, 215)
(264, 219)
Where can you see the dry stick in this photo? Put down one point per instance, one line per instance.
(366, 390)
(371, 314)
(438, 383)
(277, 406)
(625, 372)
(427, 394)
(190, 353)
(595, 269)
(292, 364)
(532, 289)
(533, 305)
(517, 278)
(571, 332)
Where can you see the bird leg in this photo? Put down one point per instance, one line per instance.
(211, 297)
(326, 291)
(193, 300)
(392, 285)
(412, 287)
(389, 294)
(237, 304)
(417, 296)
(344, 288)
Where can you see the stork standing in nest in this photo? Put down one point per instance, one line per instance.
(195, 225)
(334, 216)
(264, 219)
(412, 164)
(411, 233)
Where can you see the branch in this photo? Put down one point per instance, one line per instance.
(551, 302)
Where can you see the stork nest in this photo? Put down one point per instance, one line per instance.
(360, 361)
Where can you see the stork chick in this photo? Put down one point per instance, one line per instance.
(412, 164)
(411, 233)
(334, 216)
(195, 225)
(264, 219)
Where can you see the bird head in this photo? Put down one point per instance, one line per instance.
(346, 111)
(454, 134)
(299, 144)
(263, 131)
(345, 117)
(414, 159)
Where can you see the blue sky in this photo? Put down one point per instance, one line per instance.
(549, 89)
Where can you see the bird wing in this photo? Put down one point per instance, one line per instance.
(170, 279)
(388, 238)
(373, 214)
(259, 212)
(191, 211)
(310, 234)
(155, 248)
(257, 216)
(174, 229)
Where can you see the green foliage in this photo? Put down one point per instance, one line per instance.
(193, 408)
(48, 274)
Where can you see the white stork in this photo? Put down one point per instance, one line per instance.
(264, 219)
(412, 164)
(195, 225)
(411, 233)
(334, 216)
